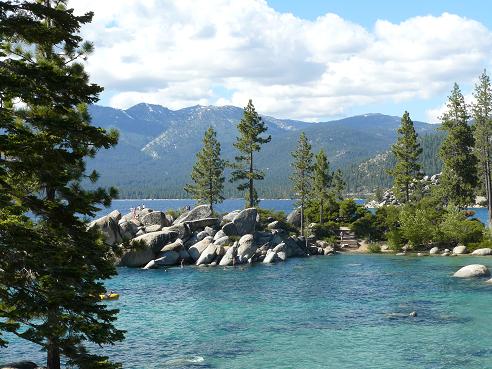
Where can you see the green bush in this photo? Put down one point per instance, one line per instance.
(374, 248)
(324, 231)
(365, 227)
(456, 228)
(395, 239)
(279, 216)
(485, 243)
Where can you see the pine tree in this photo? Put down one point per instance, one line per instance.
(249, 141)
(208, 172)
(458, 179)
(407, 151)
(302, 173)
(321, 181)
(338, 185)
(482, 129)
(52, 267)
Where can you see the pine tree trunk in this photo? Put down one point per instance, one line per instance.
(251, 188)
(53, 361)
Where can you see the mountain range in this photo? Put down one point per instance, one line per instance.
(157, 146)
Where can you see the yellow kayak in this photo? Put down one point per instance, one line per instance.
(111, 296)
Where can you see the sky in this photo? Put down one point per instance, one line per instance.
(310, 60)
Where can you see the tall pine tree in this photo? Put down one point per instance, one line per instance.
(302, 173)
(407, 151)
(459, 174)
(52, 267)
(247, 143)
(208, 172)
(321, 181)
(482, 129)
(338, 185)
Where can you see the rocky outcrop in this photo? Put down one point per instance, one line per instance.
(155, 218)
(459, 250)
(246, 248)
(230, 256)
(474, 270)
(138, 257)
(230, 216)
(229, 229)
(294, 217)
(434, 251)
(108, 226)
(155, 240)
(482, 252)
(198, 224)
(196, 250)
(245, 221)
(199, 212)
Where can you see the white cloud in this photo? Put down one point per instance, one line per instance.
(175, 52)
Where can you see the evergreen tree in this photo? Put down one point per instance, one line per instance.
(338, 185)
(302, 173)
(407, 151)
(51, 266)
(482, 129)
(321, 181)
(458, 179)
(208, 172)
(249, 141)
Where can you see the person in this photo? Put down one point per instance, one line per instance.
(341, 235)
(143, 206)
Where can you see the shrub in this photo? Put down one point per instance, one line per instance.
(365, 227)
(395, 239)
(279, 216)
(485, 243)
(456, 228)
(419, 223)
(374, 248)
(325, 230)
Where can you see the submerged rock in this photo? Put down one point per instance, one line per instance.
(474, 270)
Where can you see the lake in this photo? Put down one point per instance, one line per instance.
(319, 312)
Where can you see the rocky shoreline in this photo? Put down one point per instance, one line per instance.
(151, 239)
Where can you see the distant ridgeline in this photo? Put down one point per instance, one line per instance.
(370, 174)
(157, 148)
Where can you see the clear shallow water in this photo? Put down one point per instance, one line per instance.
(319, 312)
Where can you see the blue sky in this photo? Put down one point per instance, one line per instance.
(313, 60)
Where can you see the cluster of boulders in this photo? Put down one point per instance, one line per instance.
(423, 185)
(152, 239)
(459, 250)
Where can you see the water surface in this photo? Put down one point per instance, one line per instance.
(319, 312)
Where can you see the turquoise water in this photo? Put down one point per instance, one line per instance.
(318, 312)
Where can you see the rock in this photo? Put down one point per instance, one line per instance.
(128, 229)
(413, 314)
(229, 229)
(489, 281)
(294, 217)
(434, 251)
(482, 252)
(281, 256)
(185, 255)
(156, 240)
(420, 254)
(201, 235)
(270, 257)
(140, 232)
(446, 253)
(199, 224)
(137, 258)
(108, 226)
(173, 246)
(222, 241)
(385, 248)
(20, 365)
(182, 229)
(155, 218)
(196, 250)
(328, 251)
(245, 221)
(274, 225)
(208, 255)
(230, 216)
(246, 248)
(229, 256)
(219, 234)
(153, 228)
(211, 231)
(473, 270)
(446, 250)
(400, 254)
(199, 212)
(167, 258)
(459, 250)
(150, 265)
(292, 248)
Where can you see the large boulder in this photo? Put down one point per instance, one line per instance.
(199, 224)
(219, 234)
(274, 225)
(230, 256)
(196, 250)
(208, 255)
(201, 235)
(482, 252)
(292, 248)
(199, 212)
(230, 216)
(294, 217)
(245, 221)
(270, 257)
(182, 229)
(229, 229)
(155, 240)
(167, 258)
(108, 226)
(434, 251)
(155, 218)
(459, 250)
(137, 257)
(222, 241)
(128, 228)
(247, 248)
(174, 246)
(153, 228)
(474, 270)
